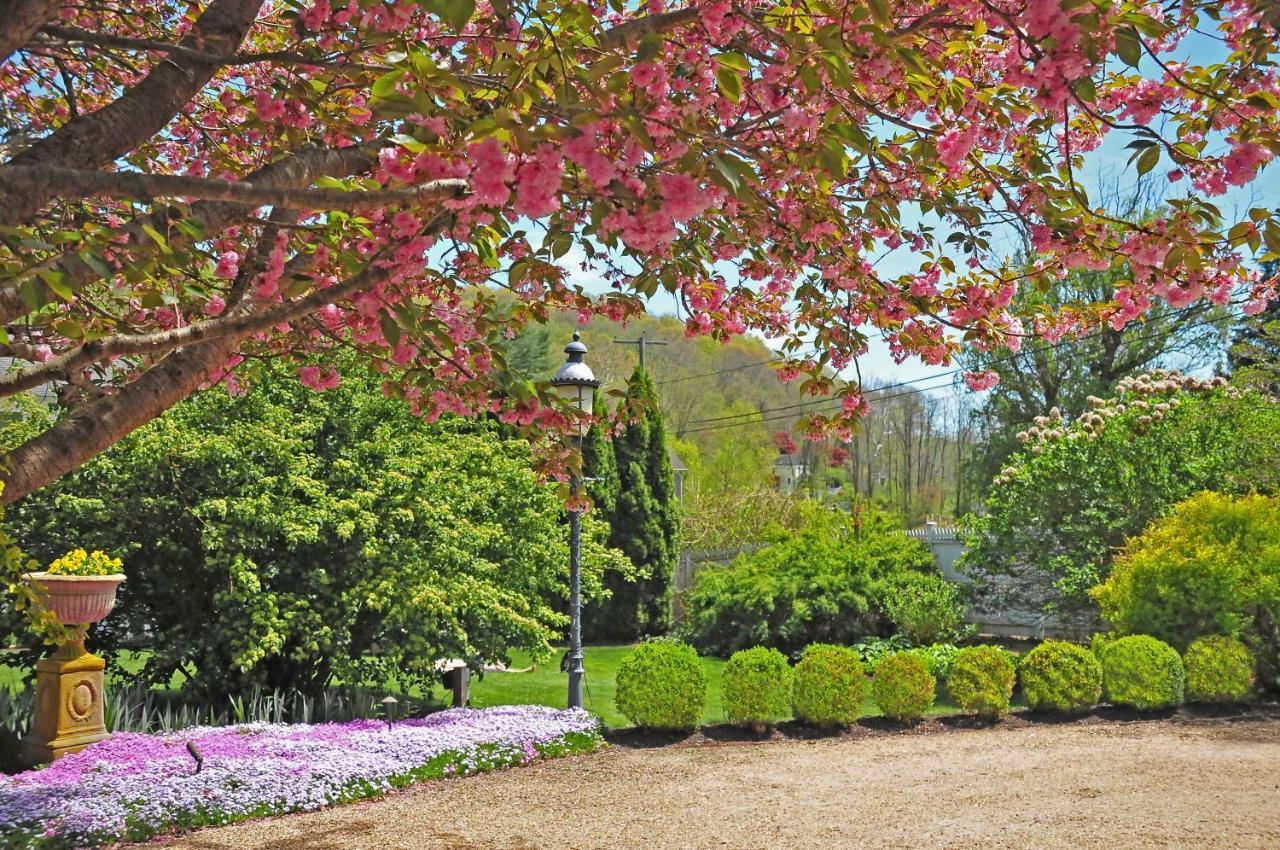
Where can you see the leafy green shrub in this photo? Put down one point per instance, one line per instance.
(1142, 672)
(1064, 506)
(661, 685)
(286, 538)
(1218, 669)
(822, 583)
(903, 687)
(925, 608)
(872, 649)
(1212, 567)
(982, 680)
(1060, 676)
(830, 684)
(938, 657)
(757, 687)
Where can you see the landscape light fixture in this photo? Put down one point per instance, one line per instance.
(389, 709)
(576, 384)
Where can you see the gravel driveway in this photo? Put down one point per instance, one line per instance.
(1168, 783)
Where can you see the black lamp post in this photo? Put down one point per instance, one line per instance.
(576, 384)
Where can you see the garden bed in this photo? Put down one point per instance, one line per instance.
(132, 787)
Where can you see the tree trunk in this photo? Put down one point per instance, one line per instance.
(98, 425)
(22, 18)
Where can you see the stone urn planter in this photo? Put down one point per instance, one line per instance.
(69, 696)
(76, 600)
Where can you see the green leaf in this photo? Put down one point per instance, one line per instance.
(1148, 159)
(733, 60)
(1128, 46)
(390, 328)
(729, 83)
(158, 238)
(456, 13)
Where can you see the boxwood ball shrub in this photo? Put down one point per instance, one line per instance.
(661, 685)
(830, 684)
(981, 680)
(757, 687)
(1142, 672)
(1218, 669)
(903, 687)
(1061, 676)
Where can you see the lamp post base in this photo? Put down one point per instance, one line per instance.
(68, 715)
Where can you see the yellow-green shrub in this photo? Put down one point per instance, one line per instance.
(830, 684)
(757, 687)
(903, 686)
(1218, 669)
(981, 680)
(1142, 672)
(662, 685)
(1061, 676)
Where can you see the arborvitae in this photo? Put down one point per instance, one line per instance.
(598, 464)
(644, 524)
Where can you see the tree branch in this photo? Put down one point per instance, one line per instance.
(299, 169)
(133, 185)
(238, 325)
(98, 138)
(21, 20)
(75, 35)
(626, 34)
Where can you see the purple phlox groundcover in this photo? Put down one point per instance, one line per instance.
(133, 786)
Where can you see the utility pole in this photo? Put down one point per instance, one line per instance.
(640, 343)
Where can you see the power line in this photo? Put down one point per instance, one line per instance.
(879, 399)
(718, 371)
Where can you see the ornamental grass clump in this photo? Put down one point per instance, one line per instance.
(1219, 669)
(1062, 677)
(903, 687)
(131, 787)
(1142, 672)
(661, 685)
(982, 680)
(757, 688)
(830, 685)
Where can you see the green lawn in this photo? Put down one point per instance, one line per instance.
(546, 685)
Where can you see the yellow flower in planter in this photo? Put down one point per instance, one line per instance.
(77, 562)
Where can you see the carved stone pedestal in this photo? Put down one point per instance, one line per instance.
(68, 714)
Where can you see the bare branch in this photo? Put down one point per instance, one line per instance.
(133, 185)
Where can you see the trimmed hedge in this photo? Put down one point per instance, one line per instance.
(903, 687)
(1061, 676)
(982, 680)
(662, 685)
(1218, 669)
(1142, 672)
(757, 687)
(830, 685)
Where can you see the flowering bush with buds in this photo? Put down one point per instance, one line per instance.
(131, 787)
(1069, 500)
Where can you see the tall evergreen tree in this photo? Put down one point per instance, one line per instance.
(644, 520)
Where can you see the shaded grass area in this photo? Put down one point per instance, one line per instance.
(546, 685)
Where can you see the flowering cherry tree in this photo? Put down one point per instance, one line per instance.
(190, 185)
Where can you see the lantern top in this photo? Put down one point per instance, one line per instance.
(575, 372)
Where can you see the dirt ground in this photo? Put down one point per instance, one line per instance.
(1107, 783)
